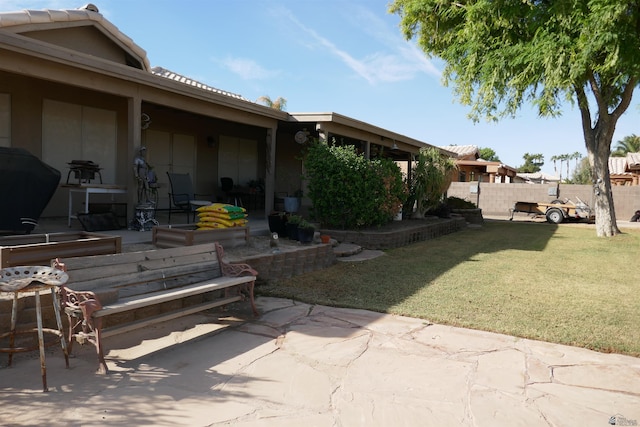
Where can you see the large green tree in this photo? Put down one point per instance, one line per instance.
(500, 54)
(532, 163)
(488, 154)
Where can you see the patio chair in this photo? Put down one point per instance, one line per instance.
(182, 198)
(230, 191)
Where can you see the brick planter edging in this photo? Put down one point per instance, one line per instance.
(418, 232)
(291, 262)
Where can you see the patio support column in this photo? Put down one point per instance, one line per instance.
(134, 140)
(367, 149)
(270, 176)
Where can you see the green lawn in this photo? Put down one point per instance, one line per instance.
(536, 280)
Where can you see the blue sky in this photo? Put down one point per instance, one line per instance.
(343, 56)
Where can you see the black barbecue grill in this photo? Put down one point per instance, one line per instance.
(26, 187)
(84, 171)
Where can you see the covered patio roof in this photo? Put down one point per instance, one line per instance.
(330, 123)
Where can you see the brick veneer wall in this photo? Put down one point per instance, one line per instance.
(497, 199)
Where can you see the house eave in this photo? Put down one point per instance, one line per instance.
(376, 133)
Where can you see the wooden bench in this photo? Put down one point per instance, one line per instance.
(127, 291)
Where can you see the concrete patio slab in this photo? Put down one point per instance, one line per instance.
(303, 365)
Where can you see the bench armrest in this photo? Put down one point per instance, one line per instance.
(233, 269)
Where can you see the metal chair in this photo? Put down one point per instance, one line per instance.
(182, 198)
(229, 189)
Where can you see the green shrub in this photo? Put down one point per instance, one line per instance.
(295, 219)
(349, 191)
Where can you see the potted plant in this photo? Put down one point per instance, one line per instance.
(306, 230)
(292, 203)
(292, 226)
(278, 223)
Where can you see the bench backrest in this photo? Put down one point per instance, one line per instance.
(133, 273)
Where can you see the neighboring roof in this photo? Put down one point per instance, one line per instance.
(618, 166)
(537, 177)
(468, 155)
(624, 166)
(489, 166)
(463, 150)
(168, 74)
(633, 161)
(36, 20)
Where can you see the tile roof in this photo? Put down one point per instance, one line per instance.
(537, 176)
(618, 166)
(633, 161)
(168, 74)
(29, 20)
(462, 150)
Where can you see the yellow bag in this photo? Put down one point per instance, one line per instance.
(221, 207)
(224, 222)
(227, 216)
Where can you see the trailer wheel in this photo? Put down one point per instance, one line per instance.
(554, 216)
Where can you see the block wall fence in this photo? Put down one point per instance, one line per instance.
(497, 199)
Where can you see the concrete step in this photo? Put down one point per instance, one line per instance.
(346, 249)
(347, 252)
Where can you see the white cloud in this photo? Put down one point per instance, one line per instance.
(248, 69)
(400, 60)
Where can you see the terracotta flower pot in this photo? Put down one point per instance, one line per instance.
(325, 238)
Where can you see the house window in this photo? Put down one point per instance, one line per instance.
(462, 176)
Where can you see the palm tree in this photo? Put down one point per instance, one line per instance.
(628, 144)
(554, 159)
(575, 156)
(562, 158)
(278, 104)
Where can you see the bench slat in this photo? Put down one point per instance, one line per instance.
(94, 261)
(123, 280)
(127, 327)
(132, 303)
(87, 273)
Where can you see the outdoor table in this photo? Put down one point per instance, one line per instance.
(87, 190)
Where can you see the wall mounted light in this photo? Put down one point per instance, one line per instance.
(394, 147)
